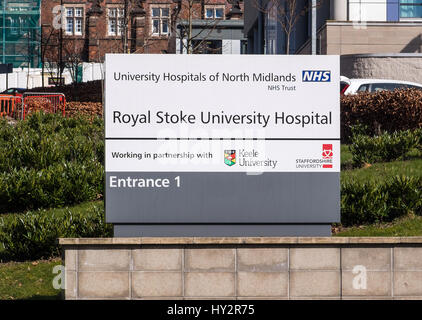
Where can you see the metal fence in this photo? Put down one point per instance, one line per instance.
(18, 107)
(10, 106)
(41, 101)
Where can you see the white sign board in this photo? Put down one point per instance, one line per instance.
(222, 139)
(214, 97)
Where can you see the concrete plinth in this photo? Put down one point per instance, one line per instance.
(243, 268)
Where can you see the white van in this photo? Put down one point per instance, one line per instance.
(353, 86)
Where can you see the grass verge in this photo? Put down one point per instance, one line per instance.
(28, 280)
(409, 226)
(345, 157)
(378, 172)
(80, 208)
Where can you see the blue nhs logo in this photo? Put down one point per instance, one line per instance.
(316, 76)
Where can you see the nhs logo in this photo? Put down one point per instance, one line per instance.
(316, 76)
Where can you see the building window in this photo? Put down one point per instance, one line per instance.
(14, 25)
(410, 8)
(207, 46)
(271, 29)
(115, 21)
(74, 17)
(214, 12)
(160, 20)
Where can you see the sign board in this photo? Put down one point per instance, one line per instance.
(6, 68)
(215, 140)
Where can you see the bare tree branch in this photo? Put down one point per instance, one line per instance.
(287, 13)
(184, 31)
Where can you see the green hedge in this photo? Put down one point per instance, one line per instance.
(33, 235)
(383, 148)
(380, 202)
(381, 111)
(50, 161)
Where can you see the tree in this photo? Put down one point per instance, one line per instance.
(28, 47)
(129, 6)
(50, 54)
(73, 57)
(126, 31)
(46, 38)
(126, 42)
(287, 13)
(185, 13)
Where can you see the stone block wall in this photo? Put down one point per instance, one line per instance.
(243, 268)
(405, 67)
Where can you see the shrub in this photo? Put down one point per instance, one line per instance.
(90, 91)
(37, 104)
(382, 111)
(58, 185)
(91, 109)
(383, 148)
(33, 235)
(50, 161)
(370, 202)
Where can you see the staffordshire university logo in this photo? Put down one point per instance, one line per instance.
(325, 161)
(327, 153)
(316, 76)
(230, 157)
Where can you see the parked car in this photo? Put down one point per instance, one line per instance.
(14, 92)
(353, 86)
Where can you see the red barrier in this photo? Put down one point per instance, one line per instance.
(9, 106)
(50, 103)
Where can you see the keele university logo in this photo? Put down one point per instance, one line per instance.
(230, 157)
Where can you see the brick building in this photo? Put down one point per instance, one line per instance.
(95, 27)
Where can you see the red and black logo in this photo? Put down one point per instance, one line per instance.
(327, 153)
